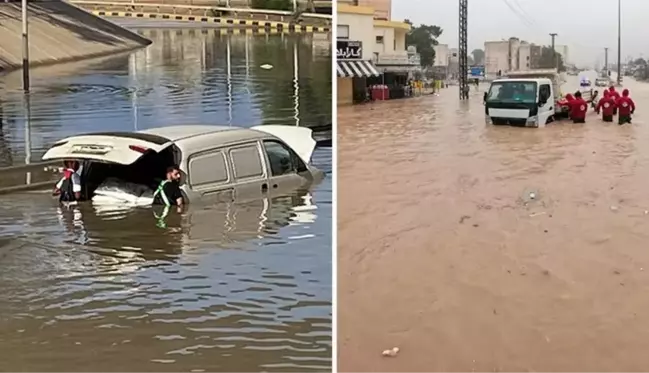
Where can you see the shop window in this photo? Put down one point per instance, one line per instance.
(379, 39)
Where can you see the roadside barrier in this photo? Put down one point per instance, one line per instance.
(247, 23)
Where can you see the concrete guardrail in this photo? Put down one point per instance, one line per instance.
(205, 10)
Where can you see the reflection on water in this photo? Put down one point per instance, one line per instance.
(186, 76)
(437, 230)
(244, 286)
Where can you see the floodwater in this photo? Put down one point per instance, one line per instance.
(481, 248)
(244, 286)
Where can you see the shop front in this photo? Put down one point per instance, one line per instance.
(398, 72)
(352, 72)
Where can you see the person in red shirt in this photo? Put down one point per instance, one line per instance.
(607, 105)
(626, 107)
(578, 109)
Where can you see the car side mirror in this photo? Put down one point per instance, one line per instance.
(484, 97)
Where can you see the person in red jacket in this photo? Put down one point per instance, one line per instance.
(626, 107)
(615, 95)
(578, 109)
(607, 105)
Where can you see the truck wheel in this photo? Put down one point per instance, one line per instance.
(550, 119)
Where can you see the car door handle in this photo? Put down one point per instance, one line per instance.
(264, 187)
(274, 186)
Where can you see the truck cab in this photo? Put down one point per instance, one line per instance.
(528, 102)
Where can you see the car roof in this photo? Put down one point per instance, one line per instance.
(521, 79)
(181, 132)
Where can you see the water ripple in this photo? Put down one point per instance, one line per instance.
(233, 287)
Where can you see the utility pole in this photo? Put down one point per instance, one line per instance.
(463, 63)
(25, 48)
(554, 52)
(619, 42)
(606, 60)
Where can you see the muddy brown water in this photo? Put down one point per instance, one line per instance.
(443, 253)
(243, 286)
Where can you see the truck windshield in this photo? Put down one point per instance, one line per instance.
(523, 92)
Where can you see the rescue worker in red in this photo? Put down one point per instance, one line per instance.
(615, 95)
(578, 109)
(607, 106)
(567, 102)
(69, 187)
(626, 107)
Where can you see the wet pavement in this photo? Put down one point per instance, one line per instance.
(481, 248)
(229, 287)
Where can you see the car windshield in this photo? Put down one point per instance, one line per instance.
(523, 92)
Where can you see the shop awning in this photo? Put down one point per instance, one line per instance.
(356, 69)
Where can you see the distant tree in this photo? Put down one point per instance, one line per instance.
(547, 59)
(470, 60)
(640, 62)
(478, 56)
(424, 37)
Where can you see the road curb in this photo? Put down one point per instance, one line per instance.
(230, 22)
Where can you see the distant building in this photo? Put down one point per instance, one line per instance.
(510, 55)
(441, 55)
(382, 8)
(563, 51)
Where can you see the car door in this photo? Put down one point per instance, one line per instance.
(250, 179)
(210, 175)
(284, 167)
(547, 109)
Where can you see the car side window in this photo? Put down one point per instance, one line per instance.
(207, 169)
(246, 161)
(282, 159)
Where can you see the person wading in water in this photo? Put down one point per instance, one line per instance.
(168, 192)
(69, 187)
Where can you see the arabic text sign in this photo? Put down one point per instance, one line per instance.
(349, 50)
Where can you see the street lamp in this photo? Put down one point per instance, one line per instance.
(619, 42)
(25, 47)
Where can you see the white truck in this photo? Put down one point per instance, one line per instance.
(527, 98)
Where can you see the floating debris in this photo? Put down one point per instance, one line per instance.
(266, 66)
(391, 353)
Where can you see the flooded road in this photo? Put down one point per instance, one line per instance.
(443, 253)
(244, 286)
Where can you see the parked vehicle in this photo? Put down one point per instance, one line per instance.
(215, 161)
(527, 98)
(602, 82)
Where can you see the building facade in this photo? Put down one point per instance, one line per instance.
(382, 8)
(380, 46)
(563, 51)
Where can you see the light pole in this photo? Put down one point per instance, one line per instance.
(25, 47)
(554, 52)
(619, 42)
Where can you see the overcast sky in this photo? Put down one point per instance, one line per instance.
(585, 26)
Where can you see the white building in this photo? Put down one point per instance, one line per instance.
(441, 55)
(497, 57)
(368, 47)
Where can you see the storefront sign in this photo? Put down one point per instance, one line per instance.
(349, 50)
(401, 59)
